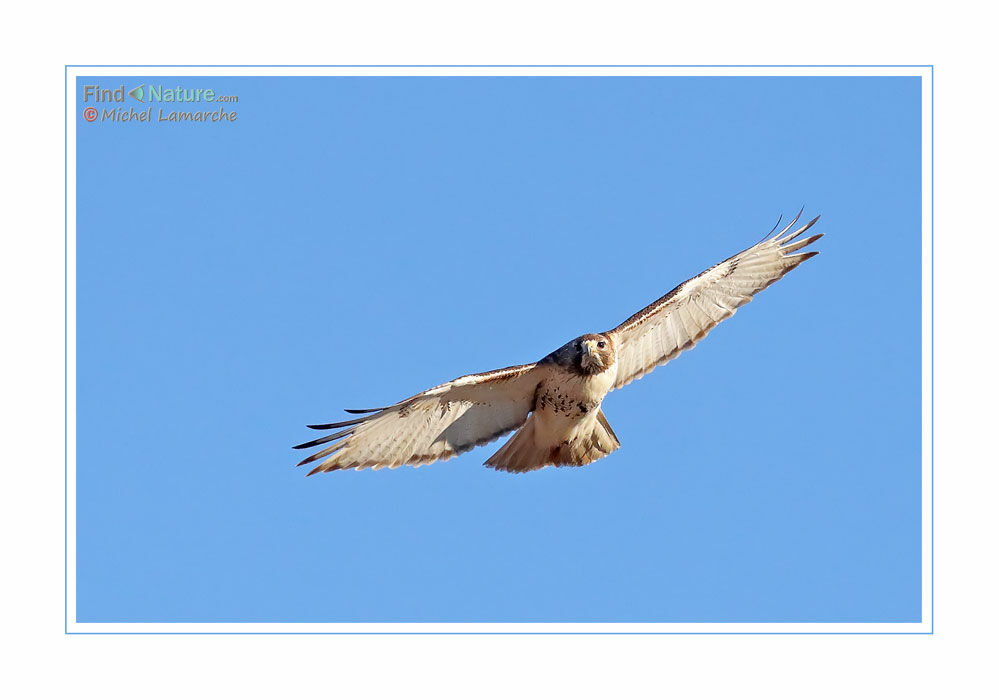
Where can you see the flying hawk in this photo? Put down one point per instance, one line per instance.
(554, 404)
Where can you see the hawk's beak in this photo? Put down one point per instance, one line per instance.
(591, 358)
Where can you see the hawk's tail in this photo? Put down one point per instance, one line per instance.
(523, 453)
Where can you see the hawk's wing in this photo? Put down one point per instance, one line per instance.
(674, 323)
(437, 424)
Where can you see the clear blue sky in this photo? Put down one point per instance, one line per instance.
(349, 242)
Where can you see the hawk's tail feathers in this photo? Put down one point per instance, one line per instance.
(523, 453)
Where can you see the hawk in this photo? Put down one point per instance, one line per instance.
(554, 404)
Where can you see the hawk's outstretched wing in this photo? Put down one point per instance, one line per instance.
(437, 424)
(674, 323)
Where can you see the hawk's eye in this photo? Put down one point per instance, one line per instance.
(601, 344)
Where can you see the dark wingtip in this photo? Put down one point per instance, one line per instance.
(806, 227)
(341, 424)
(363, 410)
(324, 439)
(796, 234)
(310, 459)
(802, 257)
(779, 219)
(795, 219)
(770, 233)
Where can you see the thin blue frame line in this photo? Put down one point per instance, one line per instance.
(933, 442)
(65, 351)
(66, 334)
(505, 633)
(502, 65)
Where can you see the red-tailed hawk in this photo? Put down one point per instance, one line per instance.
(554, 404)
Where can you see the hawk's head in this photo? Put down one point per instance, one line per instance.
(588, 354)
(593, 353)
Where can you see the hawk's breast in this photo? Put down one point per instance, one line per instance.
(570, 395)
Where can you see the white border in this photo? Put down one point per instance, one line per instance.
(923, 627)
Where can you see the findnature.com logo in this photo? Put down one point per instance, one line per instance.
(112, 110)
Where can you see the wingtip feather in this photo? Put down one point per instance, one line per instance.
(797, 233)
(796, 260)
(341, 424)
(792, 223)
(798, 245)
(324, 439)
(307, 460)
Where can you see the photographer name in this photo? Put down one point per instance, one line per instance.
(123, 115)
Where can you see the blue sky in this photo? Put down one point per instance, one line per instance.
(350, 242)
